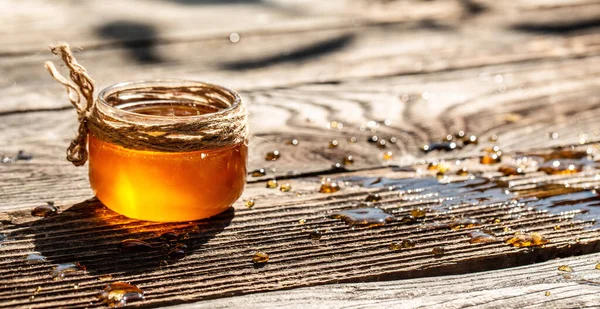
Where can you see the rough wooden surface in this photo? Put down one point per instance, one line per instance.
(520, 287)
(218, 262)
(518, 69)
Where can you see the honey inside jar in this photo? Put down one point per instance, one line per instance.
(165, 186)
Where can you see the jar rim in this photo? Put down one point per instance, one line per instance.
(131, 85)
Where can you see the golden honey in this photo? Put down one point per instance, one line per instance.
(260, 257)
(165, 186)
(565, 268)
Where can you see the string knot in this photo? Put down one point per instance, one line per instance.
(80, 90)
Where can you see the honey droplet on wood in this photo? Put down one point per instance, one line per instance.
(508, 170)
(352, 139)
(388, 155)
(6, 159)
(286, 187)
(439, 146)
(598, 266)
(408, 219)
(176, 253)
(258, 173)
(169, 236)
(249, 203)
(547, 293)
(105, 277)
(432, 166)
(184, 236)
(464, 223)
(293, 142)
(21, 155)
(272, 184)
(462, 172)
(493, 138)
(118, 294)
(35, 258)
(442, 168)
(472, 139)
(418, 213)
(565, 268)
(481, 237)
(329, 186)
(45, 210)
(335, 125)
(337, 166)
(563, 154)
(561, 167)
(272, 155)
(260, 257)
(534, 239)
(349, 160)
(135, 245)
(408, 243)
(372, 198)
(301, 221)
(438, 250)
(315, 234)
(61, 270)
(364, 216)
(394, 246)
(333, 144)
(490, 158)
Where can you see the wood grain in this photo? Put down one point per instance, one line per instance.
(266, 61)
(560, 96)
(518, 69)
(218, 262)
(522, 287)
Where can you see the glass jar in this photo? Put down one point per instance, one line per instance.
(166, 186)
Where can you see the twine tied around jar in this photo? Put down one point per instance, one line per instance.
(225, 127)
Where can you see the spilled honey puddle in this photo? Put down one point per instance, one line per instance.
(509, 185)
(552, 197)
(365, 216)
(119, 294)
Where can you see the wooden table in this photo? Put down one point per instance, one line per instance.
(418, 70)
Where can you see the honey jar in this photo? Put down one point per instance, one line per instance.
(176, 170)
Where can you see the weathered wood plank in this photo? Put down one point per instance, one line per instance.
(519, 287)
(220, 249)
(99, 24)
(319, 54)
(518, 69)
(560, 96)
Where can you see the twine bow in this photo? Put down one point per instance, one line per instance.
(81, 85)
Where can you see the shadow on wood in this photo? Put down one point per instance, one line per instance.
(304, 53)
(558, 28)
(138, 38)
(91, 234)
